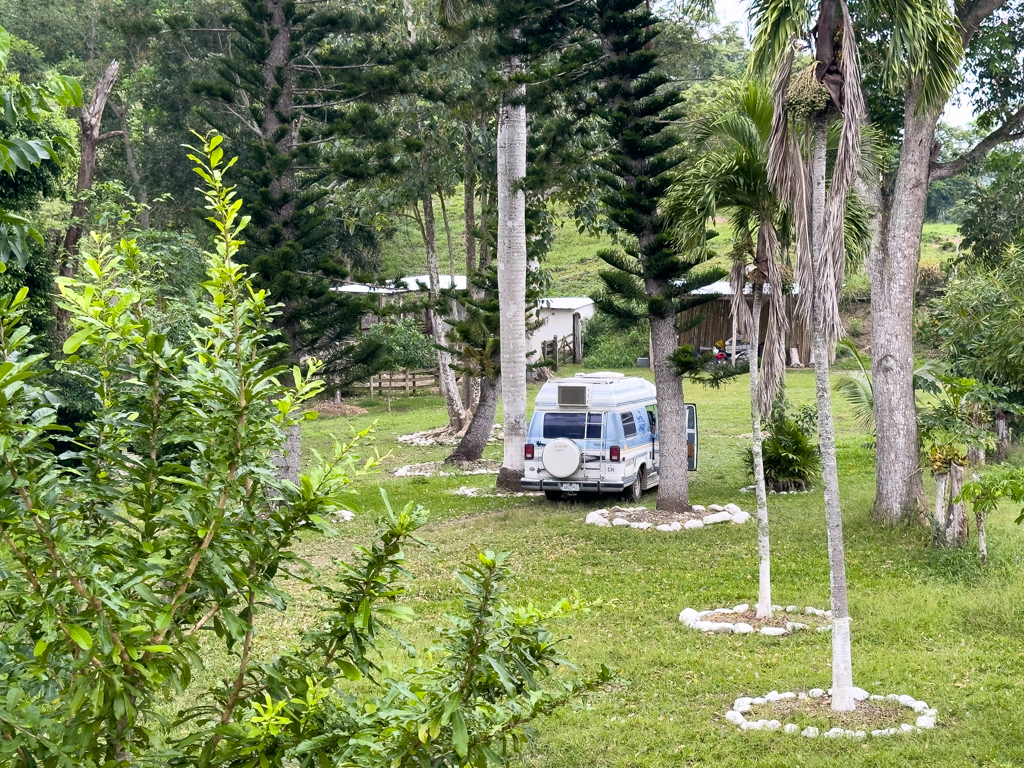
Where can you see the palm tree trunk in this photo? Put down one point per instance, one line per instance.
(512, 273)
(842, 663)
(473, 443)
(764, 588)
(899, 494)
(446, 376)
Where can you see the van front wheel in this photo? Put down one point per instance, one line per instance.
(636, 490)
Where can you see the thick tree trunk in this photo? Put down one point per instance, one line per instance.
(512, 274)
(446, 376)
(979, 520)
(842, 662)
(473, 443)
(469, 201)
(899, 494)
(673, 479)
(939, 522)
(764, 583)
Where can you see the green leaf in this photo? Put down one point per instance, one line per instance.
(40, 648)
(79, 636)
(76, 340)
(460, 738)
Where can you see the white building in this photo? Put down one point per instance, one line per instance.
(556, 316)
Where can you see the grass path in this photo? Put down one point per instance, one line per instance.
(932, 624)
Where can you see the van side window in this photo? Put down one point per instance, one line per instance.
(652, 418)
(569, 425)
(628, 425)
(594, 421)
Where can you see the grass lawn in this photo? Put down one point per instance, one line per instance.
(932, 624)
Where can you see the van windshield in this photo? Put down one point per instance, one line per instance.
(569, 425)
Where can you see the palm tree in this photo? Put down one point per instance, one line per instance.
(732, 173)
(804, 105)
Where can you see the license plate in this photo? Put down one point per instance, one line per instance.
(570, 486)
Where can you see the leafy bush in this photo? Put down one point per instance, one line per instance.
(402, 344)
(175, 523)
(791, 458)
(607, 345)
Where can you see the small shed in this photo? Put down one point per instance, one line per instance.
(717, 323)
(557, 320)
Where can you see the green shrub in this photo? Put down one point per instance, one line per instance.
(607, 345)
(791, 458)
(403, 345)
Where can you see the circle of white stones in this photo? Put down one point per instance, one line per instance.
(730, 513)
(717, 621)
(926, 716)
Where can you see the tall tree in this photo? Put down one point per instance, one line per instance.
(804, 106)
(920, 48)
(302, 79)
(648, 277)
(730, 173)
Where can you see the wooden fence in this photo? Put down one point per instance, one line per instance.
(400, 382)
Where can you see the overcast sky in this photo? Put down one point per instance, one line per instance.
(735, 11)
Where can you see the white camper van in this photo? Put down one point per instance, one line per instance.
(597, 432)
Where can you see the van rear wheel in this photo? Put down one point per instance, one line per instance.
(553, 495)
(636, 490)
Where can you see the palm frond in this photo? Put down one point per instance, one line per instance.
(856, 389)
(779, 22)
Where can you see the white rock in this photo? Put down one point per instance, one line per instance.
(724, 628)
(602, 523)
(676, 526)
(759, 701)
(810, 732)
(860, 734)
(742, 628)
(620, 522)
(599, 514)
(732, 508)
(832, 733)
(717, 517)
(773, 696)
(815, 693)
(776, 607)
(735, 717)
(859, 694)
(663, 527)
(688, 616)
(793, 626)
(907, 728)
(642, 526)
(698, 508)
(876, 697)
(791, 728)
(893, 697)
(716, 508)
(931, 712)
(639, 509)
(791, 609)
(825, 629)
(693, 524)
(772, 631)
(742, 608)
(739, 518)
(882, 732)
(707, 613)
(801, 695)
(827, 614)
(787, 695)
(907, 701)
(742, 704)
(773, 725)
(925, 722)
(919, 707)
(703, 626)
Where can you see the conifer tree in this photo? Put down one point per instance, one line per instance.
(648, 277)
(299, 93)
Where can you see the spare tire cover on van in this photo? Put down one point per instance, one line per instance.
(561, 457)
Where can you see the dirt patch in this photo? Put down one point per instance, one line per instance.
(798, 620)
(869, 715)
(440, 469)
(331, 409)
(652, 516)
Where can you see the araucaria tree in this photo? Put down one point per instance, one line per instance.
(297, 95)
(804, 106)
(730, 174)
(648, 278)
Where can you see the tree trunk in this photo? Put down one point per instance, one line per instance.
(485, 240)
(1002, 437)
(979, 519)
(899, 494)
(469, 203)
(956, 532)
(446, 376)
(473, 443)
(842, 663)
(129, 158)
(764, 588)
(512, 273)
(673, 482)
(939, 523)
